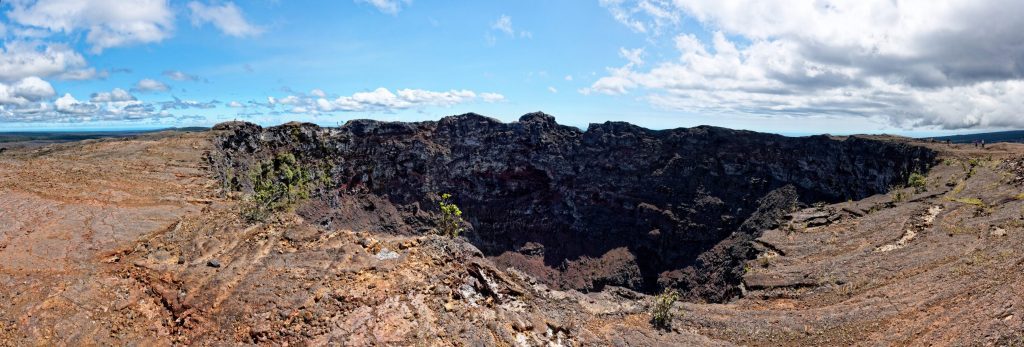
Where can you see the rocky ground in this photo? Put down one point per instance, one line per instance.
(136, 241)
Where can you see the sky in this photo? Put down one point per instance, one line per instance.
(912, 67)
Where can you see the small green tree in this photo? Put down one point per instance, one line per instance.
(918, 182)
(451, 223)
(661, 313)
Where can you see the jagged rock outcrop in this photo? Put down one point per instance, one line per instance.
(616, 204)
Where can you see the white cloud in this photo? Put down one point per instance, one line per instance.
(179, 104)
(380, 100)
(568, 77)
(150, 85)
(115, 95)
(387, 6)
(107, 23)
(634, 56)
(69, 105)
(553, 90)
(29, 101)
(644, 16)
(235, 104)
(114, 106)
(911, 63)
(181, 76)
(84, 74)
(227, 17)
(26, 90)
(504, 24)
(492, 97)
(21, 59)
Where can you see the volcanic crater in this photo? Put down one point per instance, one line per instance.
(615, 204)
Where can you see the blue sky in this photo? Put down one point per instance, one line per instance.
(769, 66)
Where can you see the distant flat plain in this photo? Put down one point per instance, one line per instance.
(10, 139)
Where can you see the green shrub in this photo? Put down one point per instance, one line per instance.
(451, 223)
(277, 184)
(918, 182)
(661, 313)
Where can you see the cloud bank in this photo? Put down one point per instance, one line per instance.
(378, 100)
(106, 23)
(952, 65)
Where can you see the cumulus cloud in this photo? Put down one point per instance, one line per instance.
(106, 23)
(387, 6)
(31, 100)
(116, 105)
(115, 95)
(913, 63)
(67, 104)
(21, 59)
(378, 100)
(150, 85)
(24, 91)
(227, 18)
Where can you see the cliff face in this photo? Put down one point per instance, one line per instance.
(613, 205)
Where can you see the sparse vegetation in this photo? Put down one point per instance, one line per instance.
(959, 188)
(956, 228)
(970, 201)
(661, 313)
(969, 167)
(277, 184)
(918, 182)
(897, 195)
(451, 223)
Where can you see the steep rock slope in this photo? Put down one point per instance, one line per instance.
(613, 205)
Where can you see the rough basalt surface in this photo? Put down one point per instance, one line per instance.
(135, 242)
(615, 204)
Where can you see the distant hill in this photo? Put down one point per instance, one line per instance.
(1001, 136)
